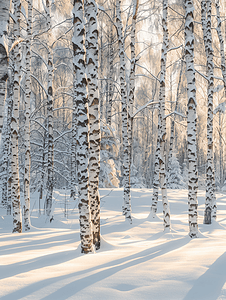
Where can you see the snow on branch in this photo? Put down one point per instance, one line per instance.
(204, 76)
(148, 71)
(174, 48)
(66, 132)
(151, 102)
(175, 113)
(39, 84)
(40, 57)
(219, 108)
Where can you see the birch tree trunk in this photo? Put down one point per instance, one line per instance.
(172, 129)
(27, 119)
(221, 40)
(223, 70)
(4, 20)
(162, 92)
(94, 117)
(15, 186)
(191, 120)
(207, 37)
(125, 169)
(73, 150)
(9, 142)
(49, 195)
(132, 83)
(156, 175)
(6, 143)
(111, 70)
(81, 95)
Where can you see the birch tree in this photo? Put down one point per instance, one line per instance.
(154, 201)
(81, 94)
(162, 95)
(15, 186)
(4, 20)
(221, 40)
(27, 118)
(206, 11)
(94, 116)
(126, 172)
(49, 195)
(132, 81)
(191, 120)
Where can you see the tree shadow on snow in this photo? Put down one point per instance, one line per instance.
(209, 285)
(110, 268)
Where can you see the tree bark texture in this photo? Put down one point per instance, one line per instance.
(162, 95)
(27, 224)
(15, 185)
(94, 117)
(4, 21)
(79, 64)
(191, 120)
(207, 37)
(125, 167)
(49, 195)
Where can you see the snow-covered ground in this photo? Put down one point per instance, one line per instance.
(137, 261)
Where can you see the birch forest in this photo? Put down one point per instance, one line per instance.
(111, 94)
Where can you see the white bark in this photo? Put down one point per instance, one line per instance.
(27, 119)
(132, 83)
(125, 167)
(221, 40)
(81, 94)
(156, 175)
(191, 120)
(4, 20)
(15, 186)
(94, 117)
(49, 195)
(162, 95)
(207, 37)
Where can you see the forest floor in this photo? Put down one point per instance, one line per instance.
(137, 261)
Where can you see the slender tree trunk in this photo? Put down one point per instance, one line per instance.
(17, 220)
(191, 120)
(94, 117)
(49, 196)
(73, 150)
(221, 40)
(81, 95)
(172, 129)
(156, 174)
(207, 37)
(132, 83)
(27, 119)
(162, 160)
(4, 17)
(6, 144)
(126, 179)
(111, 70)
